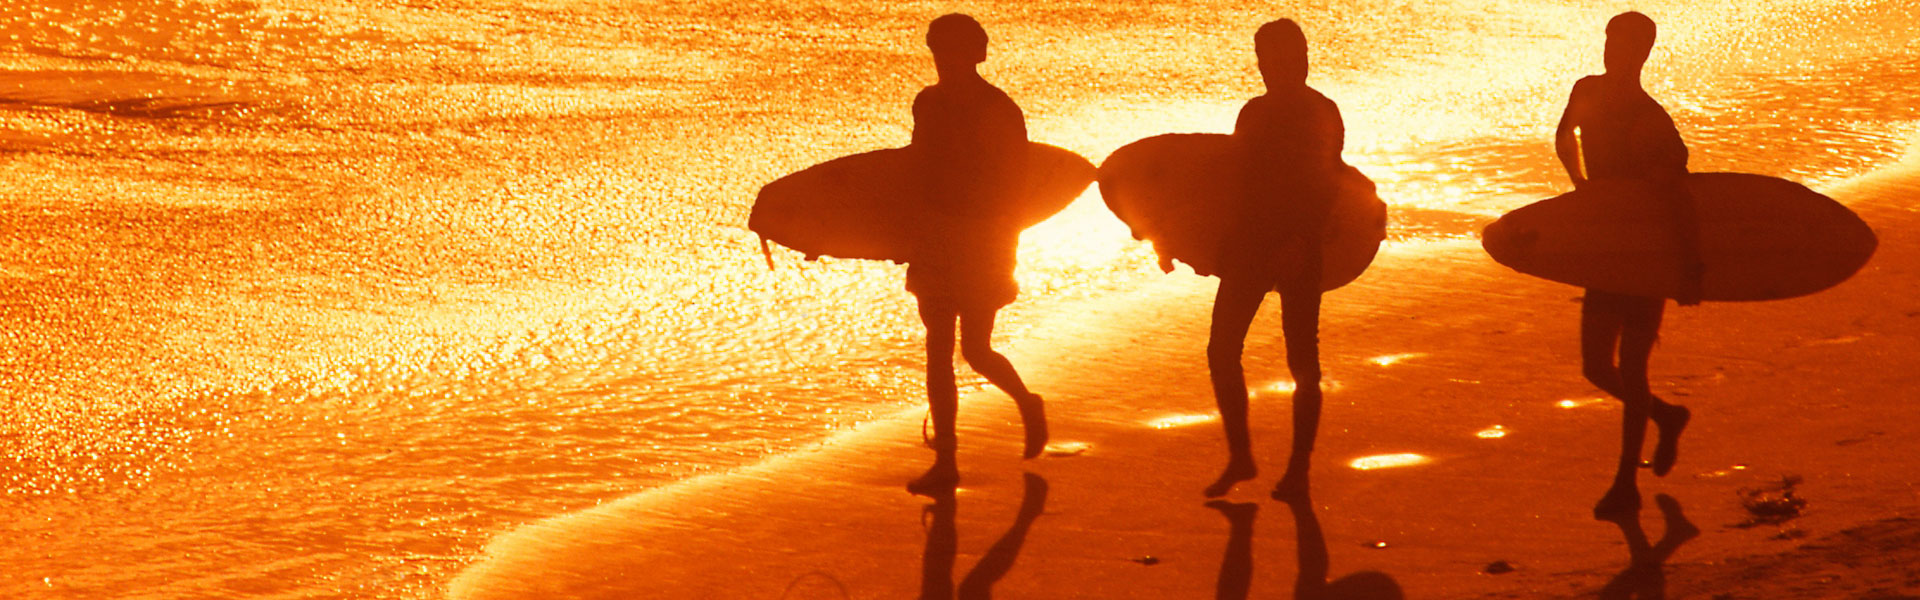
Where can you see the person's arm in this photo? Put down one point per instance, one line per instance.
(1566, 140)
(1686, 220)
(1321, 187)
(1017, 122)
(919, 115)
(1333, 136)
(1666, 154)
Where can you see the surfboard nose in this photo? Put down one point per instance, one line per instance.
(1503, 239)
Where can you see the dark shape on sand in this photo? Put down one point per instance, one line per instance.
(1772, 505)
(1236, 567)
(1315, 565)
(936, 573)
(1645, 577)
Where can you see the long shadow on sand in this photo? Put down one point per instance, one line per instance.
(936, 571)
(1236, 568)
(1645, 577)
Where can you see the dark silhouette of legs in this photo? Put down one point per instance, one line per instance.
(1632, 324)
(1234, 307)
(1300, 322)
(976, 345)
(943, 396)
(943, 401)
(1636, 348)
(1236, 568)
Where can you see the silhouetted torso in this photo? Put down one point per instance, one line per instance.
(1624, 133)
(1295, 137)
(1293, 132)
(974, 141)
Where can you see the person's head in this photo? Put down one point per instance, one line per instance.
(1629, 41)
(1282, 49)
(957, 40)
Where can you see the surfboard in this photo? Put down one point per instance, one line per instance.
(1761, 238)
(1181, 191)
(872, 205)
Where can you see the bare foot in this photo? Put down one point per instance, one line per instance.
(1671, 420)
(1238, 469)
(1292, 486)
(1619, 503)
(1033, 418)
(936, 482)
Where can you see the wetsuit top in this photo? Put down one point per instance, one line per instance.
(973, 139)
(1624, 133)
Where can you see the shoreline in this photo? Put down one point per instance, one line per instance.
(1409, 365)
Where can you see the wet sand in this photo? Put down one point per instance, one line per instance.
(1817, 389)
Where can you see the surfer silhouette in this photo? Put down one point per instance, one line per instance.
(1613, 129)
(1293, 136)
(972, 139)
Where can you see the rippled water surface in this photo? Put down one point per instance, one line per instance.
(309, 298)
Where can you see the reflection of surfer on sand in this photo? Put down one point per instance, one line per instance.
(1623, 133)
(973, 140)
(1310, 581)
(1293, 136)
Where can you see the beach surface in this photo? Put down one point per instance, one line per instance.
(1468, 369)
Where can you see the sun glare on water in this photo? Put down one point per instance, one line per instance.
(1083, 235)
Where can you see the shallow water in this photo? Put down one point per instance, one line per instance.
(310, 299)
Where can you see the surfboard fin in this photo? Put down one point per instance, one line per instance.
(767, 251)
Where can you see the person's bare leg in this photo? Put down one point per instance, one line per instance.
(976, 344)
(943, 401)
(1234, 307)
(1300, 322)
(1600, 323)
(1603, 318)
(1637, 338)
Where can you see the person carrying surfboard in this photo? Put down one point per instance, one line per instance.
(1293, 136)
(973, 141)
(1613, 129)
